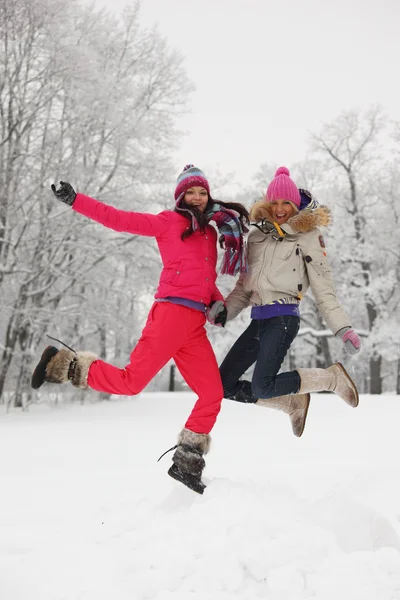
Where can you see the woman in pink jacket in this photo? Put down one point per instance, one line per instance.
(186, 295)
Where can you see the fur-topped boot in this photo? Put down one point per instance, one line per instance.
(61, 366)
(294, 405)
(333, 379)
(188, 461)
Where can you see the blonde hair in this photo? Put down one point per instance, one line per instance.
(262, 210)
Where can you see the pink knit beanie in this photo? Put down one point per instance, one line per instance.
(283, 188)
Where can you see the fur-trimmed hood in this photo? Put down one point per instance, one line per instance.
(302, 222)
(308, 219)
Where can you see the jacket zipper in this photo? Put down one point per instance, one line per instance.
(300, 283)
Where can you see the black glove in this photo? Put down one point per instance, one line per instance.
(66, 193)
(217, 313)
(221, 317)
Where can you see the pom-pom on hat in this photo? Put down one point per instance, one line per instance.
(191, 176)
(283, 188)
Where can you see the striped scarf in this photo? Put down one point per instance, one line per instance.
(232, 231)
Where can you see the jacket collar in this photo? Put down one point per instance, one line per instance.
(308, 220)
(303, 222)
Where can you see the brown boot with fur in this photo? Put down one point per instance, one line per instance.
(188, 461)
(61, 366)
(333, 379)
(294, 405)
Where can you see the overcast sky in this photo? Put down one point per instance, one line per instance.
(269, 72)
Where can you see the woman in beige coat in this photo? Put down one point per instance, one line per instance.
(286, 256)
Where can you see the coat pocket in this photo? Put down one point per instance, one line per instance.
(171, 274)
(287, 269)
(284, 250)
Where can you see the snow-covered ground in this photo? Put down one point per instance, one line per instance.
(87, 512)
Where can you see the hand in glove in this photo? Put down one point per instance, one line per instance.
(65, 193)
(217, 313)
(352, 343)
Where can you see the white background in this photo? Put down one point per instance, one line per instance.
(269, 72)
(87, 512)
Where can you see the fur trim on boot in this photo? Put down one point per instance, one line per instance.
(200, 441)
(333, 379)
(61, 366)
(82, 366)
(294, 405)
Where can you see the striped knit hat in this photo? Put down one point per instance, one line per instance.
(191, 176)
(307, 200)
(283, 188)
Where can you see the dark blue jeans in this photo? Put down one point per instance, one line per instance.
(265, 342)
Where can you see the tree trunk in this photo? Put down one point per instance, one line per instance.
(398, 377)
(103, 352)
(375, 362)
(375, 371)
(171, 386)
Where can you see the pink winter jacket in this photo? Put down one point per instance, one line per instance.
(189, 266)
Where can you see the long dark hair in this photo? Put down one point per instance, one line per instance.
(202, 219)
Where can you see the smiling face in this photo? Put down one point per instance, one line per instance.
(281, 211)
(197, 196)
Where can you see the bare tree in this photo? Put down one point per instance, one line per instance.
(353, 168)
(351, 147)
(93, 100)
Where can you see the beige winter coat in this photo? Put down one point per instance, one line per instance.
(283, 268)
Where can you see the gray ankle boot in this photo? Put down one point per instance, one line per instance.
(333, 379)
(294, 405)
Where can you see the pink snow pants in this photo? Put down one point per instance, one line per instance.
(171, 331)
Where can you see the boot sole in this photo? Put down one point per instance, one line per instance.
(351, 381)
(188, 480)
(39, 374)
